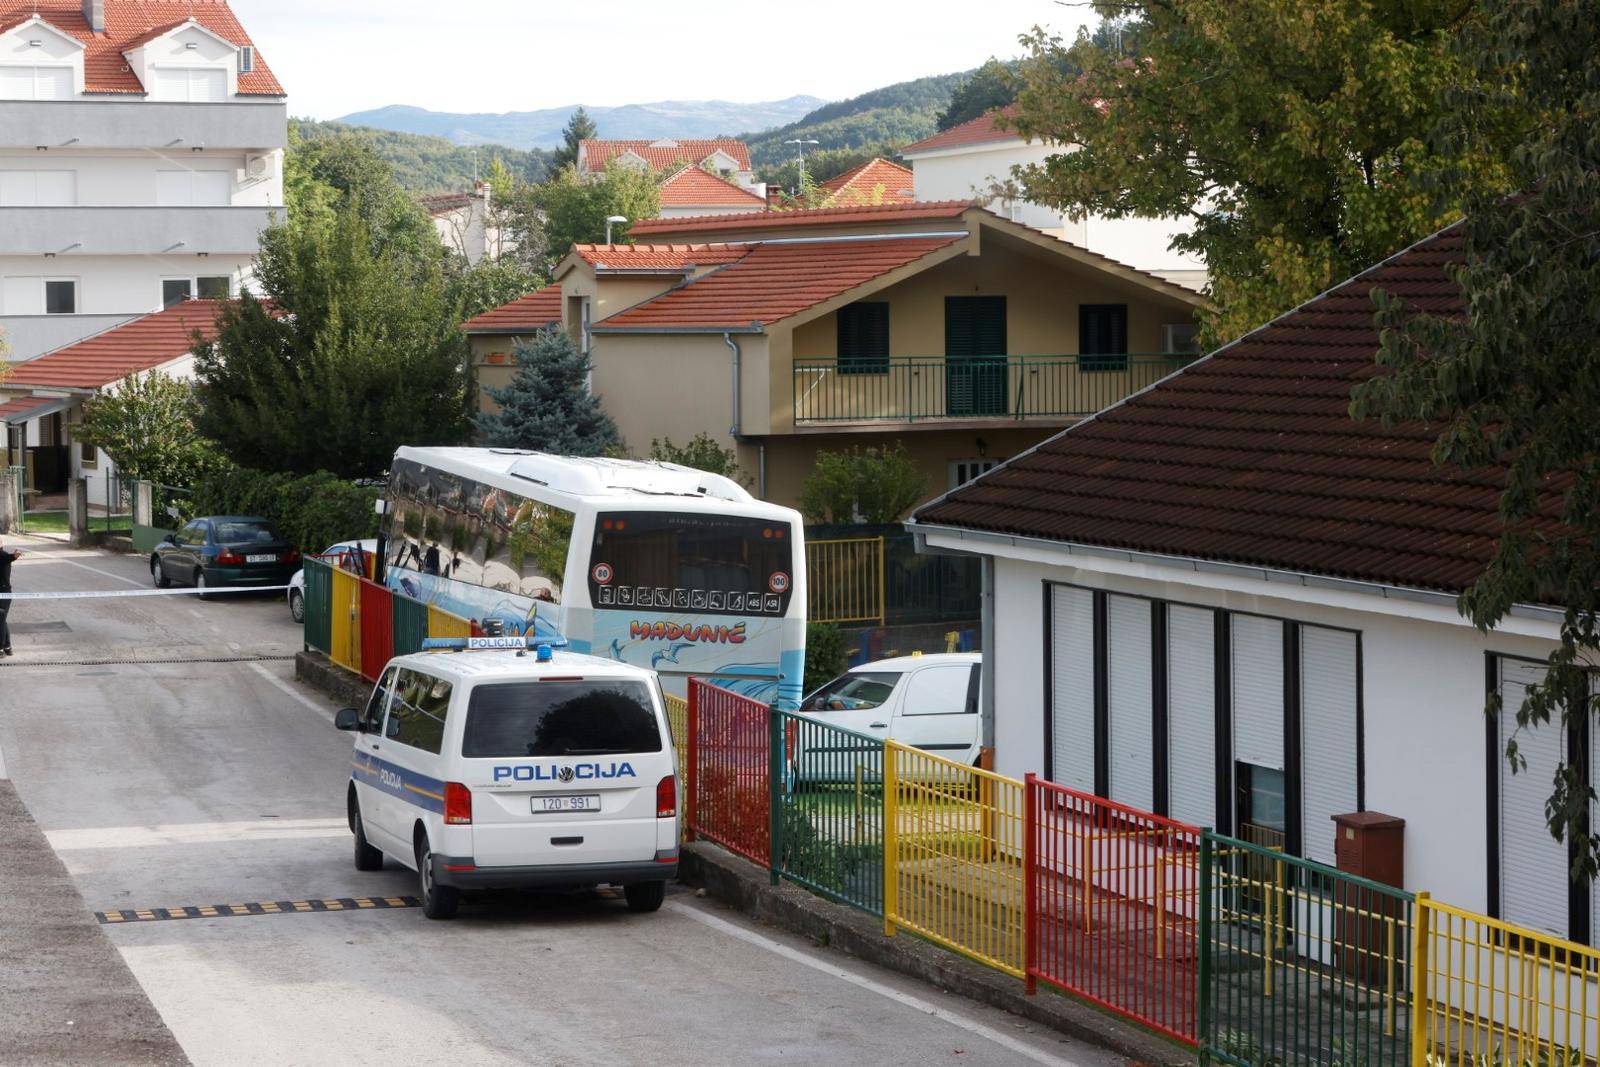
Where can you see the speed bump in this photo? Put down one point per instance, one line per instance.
(260, 907)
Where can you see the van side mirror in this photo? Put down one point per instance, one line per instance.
(347, 719)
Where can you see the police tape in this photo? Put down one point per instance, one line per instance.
(94, 594)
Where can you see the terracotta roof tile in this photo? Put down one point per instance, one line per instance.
(666, 258)
(538, 309)
(932, 210)
(1250, 456)
(861, 184)
(773, 281)
(980, 130)
(693, 186)
(129, 22)
(664, 152)
(111, 355)
(10, 409)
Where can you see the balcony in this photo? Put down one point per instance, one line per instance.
(148, 124)
(936, 392)
(84, 231)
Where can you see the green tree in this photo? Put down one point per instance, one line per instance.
(147, 426)
(548, 406)
(703, 453)
(1290, 135)
(355, 351)
(575, 208)
(1513, 383)
(992, 85)
(872, 485)
(580, 127)
(327, 174)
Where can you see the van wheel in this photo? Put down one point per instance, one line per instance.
(645, 896)
(368, 858)
(438, 901)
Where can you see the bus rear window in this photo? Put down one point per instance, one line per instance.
(700, 562)
(568, 718)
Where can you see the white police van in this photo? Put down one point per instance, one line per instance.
(506, 766)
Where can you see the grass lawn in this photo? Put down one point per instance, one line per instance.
(56, 522)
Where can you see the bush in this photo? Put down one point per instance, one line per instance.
(313, 511)
(825, 655)
(871, 485)
(702, 453)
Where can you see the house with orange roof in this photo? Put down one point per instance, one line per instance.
(943, 326)
(693, 190)
(697, 177)
(141, 155)
(975, 159)
(877, 181)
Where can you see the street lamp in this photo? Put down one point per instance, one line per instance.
(800, 155)
(609, 220)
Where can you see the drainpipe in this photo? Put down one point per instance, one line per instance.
(733, 347)
(761, 471)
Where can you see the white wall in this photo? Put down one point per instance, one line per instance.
(131, 179)
(678, 211)
(110, 284)
(55, 49)
(190, 48)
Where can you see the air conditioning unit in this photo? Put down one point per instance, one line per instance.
(260, 166)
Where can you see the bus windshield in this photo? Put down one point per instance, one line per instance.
(690, 561)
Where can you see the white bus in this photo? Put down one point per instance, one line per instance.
(652, 564)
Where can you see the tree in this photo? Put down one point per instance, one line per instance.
(575, 208)
(873, 485)
(328, 173)
(703, 453)
(580, 127)
(147, 426)
(992, 85)
(1290, 135)
(548, 406)
(355, 352)
(1514, 383)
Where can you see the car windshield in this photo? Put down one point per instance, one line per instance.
(851, 692)
(244, 532)
(561, 718)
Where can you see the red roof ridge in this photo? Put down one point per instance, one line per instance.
(980, 130)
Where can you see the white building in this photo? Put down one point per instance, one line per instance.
(462, 222)
(975, 158)
(141, 154)
(1225, 601)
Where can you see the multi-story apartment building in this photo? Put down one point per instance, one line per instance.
(141, 155)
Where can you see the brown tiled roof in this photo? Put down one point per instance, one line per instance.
(860, 184)
(1250, 456)
(538, 309)
(980, 130)
(671, 259)
(444, 203)
(665, 152)
(132, 22)
(693, 186)
(932, 210)
(138, 345)
(772, 282)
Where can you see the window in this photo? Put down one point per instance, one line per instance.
(88, 455)
(245, 532)
(566, 718)
(1103, 333)
(214, 286)
(864, 338)
(60, 296)
(193, 534)
(942, 690)
(1180, 337)
(418, 712)
(208, 287)
(26, 82)
(247, 59)
(193, 188)
(174, 291)
(378, 702)
(963, 471)
(854, 691)
(191, 84)
(38, 188)
(688, 561)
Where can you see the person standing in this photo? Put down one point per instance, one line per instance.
(6, 560)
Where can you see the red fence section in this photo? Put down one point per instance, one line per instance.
(377, 629)
(1112, 900)
(729, 771)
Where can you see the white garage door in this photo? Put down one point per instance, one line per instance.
(1072, 688)
(1191, 715)
(1533, 865)
(1130, 711)
(1329, 735)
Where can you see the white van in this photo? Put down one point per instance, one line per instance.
(503, 768)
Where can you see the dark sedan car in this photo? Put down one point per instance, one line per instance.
(224, 550)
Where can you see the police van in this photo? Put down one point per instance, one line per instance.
(501, 763)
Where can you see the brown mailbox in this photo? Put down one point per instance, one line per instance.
(1367, 924)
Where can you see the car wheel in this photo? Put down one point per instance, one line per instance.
(368, 858)
(438, 901)
(157, 575)
(297, 606)
(645, 896)
(200, 583)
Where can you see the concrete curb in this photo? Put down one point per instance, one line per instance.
(321, 673)
(746, 887)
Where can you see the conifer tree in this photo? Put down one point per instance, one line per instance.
(548, 406)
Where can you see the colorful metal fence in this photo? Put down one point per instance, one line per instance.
(1300, 963)
(830, 812)
(409, 624)
(318, 606)
(377, 629)
(1113, 906)
(731, 769)
(1490, 993)
(344, 645)
(845, 580)
(443, 624)
(953, 856)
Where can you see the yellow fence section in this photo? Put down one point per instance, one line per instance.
(845, 580)
(1490, 993)
(345, 621)
(678, 720)
(443, 624)
(952, 856)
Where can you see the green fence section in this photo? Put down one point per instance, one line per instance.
(828, 832)
(319, 605)
(1300, 964)
(410, 625)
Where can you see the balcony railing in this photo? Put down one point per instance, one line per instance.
(908, 389)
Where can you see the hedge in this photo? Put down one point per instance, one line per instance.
(313, 511)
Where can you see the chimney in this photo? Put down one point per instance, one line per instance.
(94, 13)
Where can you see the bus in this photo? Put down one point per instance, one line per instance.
(653, 564)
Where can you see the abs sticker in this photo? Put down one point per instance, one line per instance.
(778, 582)
(601, 574)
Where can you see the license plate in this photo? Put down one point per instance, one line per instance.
(261, 559)
(578, 802)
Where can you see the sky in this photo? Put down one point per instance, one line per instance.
(339, 56)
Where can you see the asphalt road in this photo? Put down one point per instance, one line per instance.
(171, 768)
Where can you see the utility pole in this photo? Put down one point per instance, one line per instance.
(800, 157)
